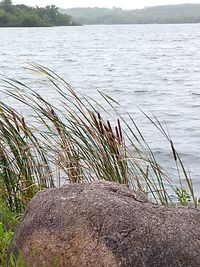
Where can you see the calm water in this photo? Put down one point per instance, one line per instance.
(153, 67)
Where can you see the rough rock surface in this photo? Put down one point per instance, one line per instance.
(106, 224)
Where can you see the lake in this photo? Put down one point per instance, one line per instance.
(153, 67)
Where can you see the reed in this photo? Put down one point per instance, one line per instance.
(77, 141)
(24, 168)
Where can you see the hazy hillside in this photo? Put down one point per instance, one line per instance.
(185, 13)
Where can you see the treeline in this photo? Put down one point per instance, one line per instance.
(184, 13)
(25, 16)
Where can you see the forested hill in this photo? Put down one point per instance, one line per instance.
(25, 16)
(185, 13)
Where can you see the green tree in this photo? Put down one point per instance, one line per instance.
(6, 2)
(30, 20)
(22, 15)
(3, 18)
(7, 5)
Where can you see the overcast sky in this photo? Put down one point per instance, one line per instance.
(126, 4)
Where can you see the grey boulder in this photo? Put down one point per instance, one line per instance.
(102, 224)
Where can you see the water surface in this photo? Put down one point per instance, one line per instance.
(153, 67)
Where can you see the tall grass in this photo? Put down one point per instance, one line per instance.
(24, 167)
(76, 140)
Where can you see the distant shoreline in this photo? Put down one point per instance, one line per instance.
(81, 25)
(26, 16)
(4, 27)
(167, 14)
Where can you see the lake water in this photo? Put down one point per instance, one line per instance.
(153, 67)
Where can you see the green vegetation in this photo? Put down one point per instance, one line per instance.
(5, 238)
(72, 142)
(8, 222)
(24, 16)
(185, 13)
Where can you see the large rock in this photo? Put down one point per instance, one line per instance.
(106, 224)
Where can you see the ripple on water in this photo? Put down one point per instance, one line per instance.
(154, 67)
